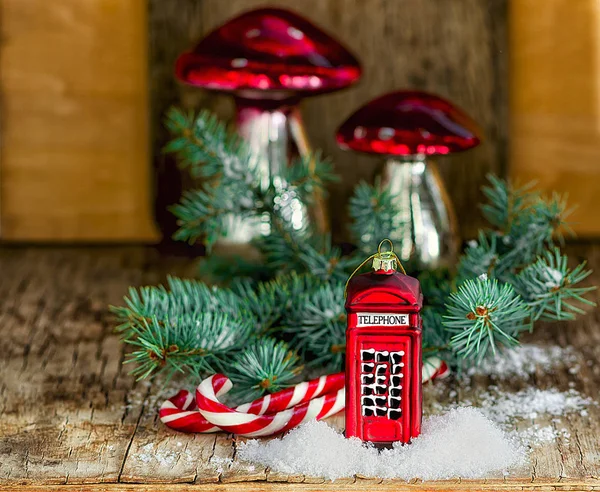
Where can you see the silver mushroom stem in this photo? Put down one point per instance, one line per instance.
(427, 229)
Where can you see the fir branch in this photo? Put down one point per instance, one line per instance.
(548, 286)
(294, 285)
(325, 261)
(190, 327)
(286, 252)
(482, 314)
(480, 258)
(306, 174)
(507, 204)
(316, 321)
(374, 214)
(189, 344)
(265, 366)
(205, 213)
(264, 300)
(207, 148)
(528, 224)
(183, 298)
(181, 304)
(280, 250)
(528, 239)
(553, 211)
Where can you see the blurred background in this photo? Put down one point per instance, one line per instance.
(85, 85)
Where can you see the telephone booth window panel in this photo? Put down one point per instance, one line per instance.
(384, 386)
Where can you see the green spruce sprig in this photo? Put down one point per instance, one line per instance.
(265, 366)
(483, 314)
(375, 214)
(548, 286)
(188, 344)
(316, 323)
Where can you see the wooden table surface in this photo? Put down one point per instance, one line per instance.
(72, 418)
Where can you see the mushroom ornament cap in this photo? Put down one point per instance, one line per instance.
(269, 49)
(407, 123)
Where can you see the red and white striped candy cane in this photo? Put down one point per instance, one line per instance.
(252, 425)
(267, 415)
(434, 368)
(181, 413)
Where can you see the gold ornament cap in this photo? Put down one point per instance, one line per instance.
(385, 260)
(382, 261)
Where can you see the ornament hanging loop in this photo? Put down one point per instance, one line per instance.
(381, 258)
(382, 243)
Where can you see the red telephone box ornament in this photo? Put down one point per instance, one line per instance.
(383, 353)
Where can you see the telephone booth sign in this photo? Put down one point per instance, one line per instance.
(383, 354)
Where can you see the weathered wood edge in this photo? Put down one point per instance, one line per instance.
(592, 484)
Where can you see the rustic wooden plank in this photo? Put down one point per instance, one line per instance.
(69, 408)
(457, 49)
(73, 417)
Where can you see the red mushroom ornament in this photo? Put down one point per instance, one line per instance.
(270, 59)
(409, 127)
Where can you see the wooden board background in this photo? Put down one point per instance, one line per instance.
(75, 159)
(555, 101)
(454, 48)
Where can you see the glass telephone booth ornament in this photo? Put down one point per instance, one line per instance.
(383, 352)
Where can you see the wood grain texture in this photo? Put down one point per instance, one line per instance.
(71, 416)
(75, 158)
(555, 101)
(455, 48)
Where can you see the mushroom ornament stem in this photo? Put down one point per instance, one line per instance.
(429, 233)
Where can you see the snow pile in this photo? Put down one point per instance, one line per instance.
(463, 442)
(522, 361)
(506, 409)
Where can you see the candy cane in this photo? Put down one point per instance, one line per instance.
(434, 368)
(252, 425)
(180, 412)
(267, 415)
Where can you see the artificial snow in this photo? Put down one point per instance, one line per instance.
(537, 435)
(530, 403)
(554, 278)
(152, 454)
(506, 409)
(523, 361)
(461, 443)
